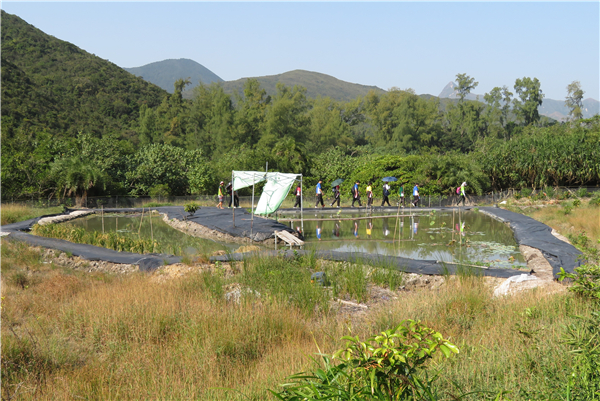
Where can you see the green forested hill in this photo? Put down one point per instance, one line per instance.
(316, 85)
(53, 85)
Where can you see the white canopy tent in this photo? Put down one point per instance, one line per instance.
(274, 192)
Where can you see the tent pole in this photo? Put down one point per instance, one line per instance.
(301, 205)
(232, 201)
(252, 221)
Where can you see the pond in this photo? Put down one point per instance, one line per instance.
(466, 237)
(171, 241)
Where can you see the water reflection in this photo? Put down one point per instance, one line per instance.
(444, 236)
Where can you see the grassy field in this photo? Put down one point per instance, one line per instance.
(12, 213)
(67, 334)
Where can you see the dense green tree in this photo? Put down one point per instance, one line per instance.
(211, 128)
(287, 117)
(328, 127)
(404, 121)
(574, 100)
(75, 176)
(465, 84)
(250, 113)
(164, 164)
(530, 98)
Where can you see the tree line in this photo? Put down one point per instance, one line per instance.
(180, 147)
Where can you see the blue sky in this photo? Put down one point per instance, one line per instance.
(416, 45)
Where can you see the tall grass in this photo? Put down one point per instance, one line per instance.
(582, 219)
(13, 213)
(110, 240)
(70, 335)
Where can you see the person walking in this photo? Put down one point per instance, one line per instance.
(356, 194)
(298, 192)
(401, 194)
(386, 194)
(369, 195)
(320, 194)
(462, 193)
(336, 195)
(221, 195)
(416, 197)
(236, 200)
(229, 190)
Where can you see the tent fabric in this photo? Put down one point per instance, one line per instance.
(243, 179)
(276, 189)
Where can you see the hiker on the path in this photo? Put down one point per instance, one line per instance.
(369, 195)
(221, 195)
(229, 190)
(386, 194)
(320, 194)
(401, 194)
(462, 193)
(336, 195)
(356, 194)
(298, 192)
(416, 197)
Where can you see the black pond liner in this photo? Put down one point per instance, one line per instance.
(527, 231)
(220, 220)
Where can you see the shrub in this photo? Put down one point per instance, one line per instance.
(191, 207)
(388, 366)
(583, 193)
(525, 192)
(159, 190)
(576, 203)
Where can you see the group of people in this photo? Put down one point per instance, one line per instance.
(355, 192)
(233, 196)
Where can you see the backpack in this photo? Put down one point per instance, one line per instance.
(458, 190)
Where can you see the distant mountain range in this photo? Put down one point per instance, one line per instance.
(165, 73)
(555, 109)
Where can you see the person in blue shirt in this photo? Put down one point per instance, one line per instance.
(320, 195)
(416, 197)
(356, 194)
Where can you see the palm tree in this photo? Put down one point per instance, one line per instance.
(74, 176)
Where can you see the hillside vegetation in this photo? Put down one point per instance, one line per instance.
(76, 125)
(316, 85)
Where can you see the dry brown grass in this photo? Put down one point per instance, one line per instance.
(581, 219)
(69, 335)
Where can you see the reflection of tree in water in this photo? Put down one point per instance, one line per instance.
(434, 232)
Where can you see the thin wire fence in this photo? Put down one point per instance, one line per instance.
(307, 201)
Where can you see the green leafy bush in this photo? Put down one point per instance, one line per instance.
(388, 366)
(191, 207)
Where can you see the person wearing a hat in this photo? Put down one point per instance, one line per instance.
(320, 194)
(221, 194)
(356, 194)
(462, 193)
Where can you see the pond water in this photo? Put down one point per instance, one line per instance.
(171, 240)
(468, 237)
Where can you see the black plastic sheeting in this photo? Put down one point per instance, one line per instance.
(537, 235)
(147, 262)
(527, 231)
(429, 267)
(221, 220)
